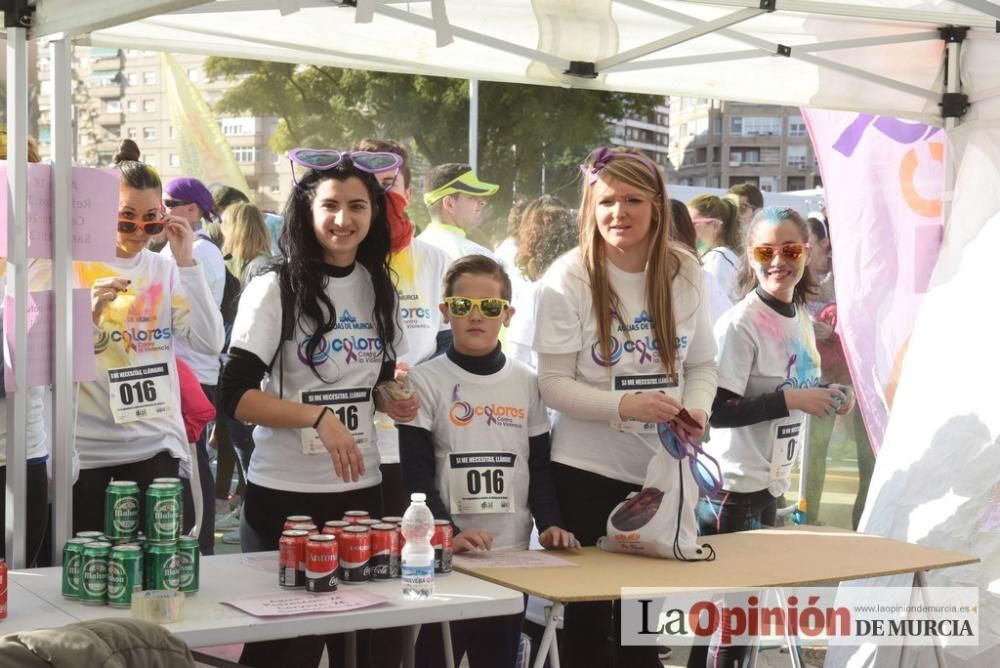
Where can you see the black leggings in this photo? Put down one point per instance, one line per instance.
(264, 513)
(88, 492)
(586, 500)
(37, 510)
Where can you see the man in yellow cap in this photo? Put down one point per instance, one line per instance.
(456, 198)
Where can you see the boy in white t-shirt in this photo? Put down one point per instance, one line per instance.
(479, 449)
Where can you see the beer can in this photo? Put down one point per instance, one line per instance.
(125, 575)
(441, 541)
(355, 554)
(355, 516)
(163, 520)
(385, 552)
(335, 527)
(94, 573)
(292, 520)
(190, 564)
(72, 560)
(161, 567)
(321, 564)
(179, 486)
(292, 559)
(121, 509)
(90, 535)
(3, 589)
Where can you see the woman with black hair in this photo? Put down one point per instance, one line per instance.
(322, 325)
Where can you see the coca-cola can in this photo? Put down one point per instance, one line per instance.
(393, 520)
(355, 516)
(335, 527)
(441, 541)
(292, 559)
(385, 552)
(321, 564)
(308, 527)
(292, 520)
(3, 589)
(355, 555)
(370, 523)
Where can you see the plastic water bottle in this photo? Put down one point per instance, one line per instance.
(799, 514)
(418, 556)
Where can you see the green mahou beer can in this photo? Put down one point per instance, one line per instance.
(121, 509)
(125, 575)
(161, 567)
(72, 561)
(90, 535)
(190, 563)
(179, 486)
(163, 510)
(94, 573)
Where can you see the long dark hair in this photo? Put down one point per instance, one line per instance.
(302, 274)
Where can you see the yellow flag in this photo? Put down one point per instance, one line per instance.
(205, 152)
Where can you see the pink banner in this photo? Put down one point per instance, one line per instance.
(883, 179)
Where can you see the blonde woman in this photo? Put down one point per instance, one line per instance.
(247, 245)
(720, 241)
(625, 310)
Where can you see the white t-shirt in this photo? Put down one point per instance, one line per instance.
(349, 359)
(420, 269)
(481, 426)
(762, 351)
(521, 333)
(565, 324)
(722, 263)
(452, 242)
(718, 299)
(208, 255)
(134, 352)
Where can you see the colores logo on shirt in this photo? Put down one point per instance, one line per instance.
(356, 349)
(462, 413)
(643, 344)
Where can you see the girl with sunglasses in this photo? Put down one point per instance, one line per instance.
(720, 242)
(624, 343)
(129, 424)
(322, 326)
(769, 380)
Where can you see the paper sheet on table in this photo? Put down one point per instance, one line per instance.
(301, 603)
(508, 559)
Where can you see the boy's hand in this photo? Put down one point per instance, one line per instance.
(555, 538)
(397, 401)
(472, 539)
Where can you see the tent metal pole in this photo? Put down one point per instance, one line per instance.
(17, 286)
(63, 418)
(954, 85)
(842, 44)
(474, 124)
(983, 6)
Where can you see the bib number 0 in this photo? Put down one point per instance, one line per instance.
(785, 440)
(352, 406)
(480, 482)
(139, 392)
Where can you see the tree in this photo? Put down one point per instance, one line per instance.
(521, 127)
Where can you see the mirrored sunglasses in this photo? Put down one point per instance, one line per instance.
(323, 159)
(490, 307)
(792, 252)
(128, 227)
(705, 468)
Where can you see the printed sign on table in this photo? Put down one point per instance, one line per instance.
(95, 208)
(280, 605)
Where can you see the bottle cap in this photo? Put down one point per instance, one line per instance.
(418, 497)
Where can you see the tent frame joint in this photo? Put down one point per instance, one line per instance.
(348, 3)
(955, 34)
(769, 5)
(784, 50)
(954, 105)
(582, 68)
(17, 13)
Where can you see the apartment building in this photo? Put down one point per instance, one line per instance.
(650, 134)
(120, 93)
(717, 144)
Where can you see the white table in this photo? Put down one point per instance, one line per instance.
(207, 621)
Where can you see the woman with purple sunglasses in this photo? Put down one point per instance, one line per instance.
(321, 325)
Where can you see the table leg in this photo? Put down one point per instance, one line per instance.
(409, 645)
(351, 650)
(449, 651)
(548, 645)
(920, 584)
(793, 650)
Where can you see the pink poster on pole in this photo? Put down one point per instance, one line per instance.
(95, 208)
(883, 179)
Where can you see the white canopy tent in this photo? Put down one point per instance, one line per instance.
(893, 57)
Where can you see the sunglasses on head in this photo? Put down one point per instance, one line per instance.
(323, 159)
(490, 307)
(174, 203)
(791, 251)
(128, 227)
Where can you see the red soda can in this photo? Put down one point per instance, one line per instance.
(308, 527)
(355, 555)
(335, 527)
(3, 589)
(393, 520)
(292, 520)
(398, 523)
(292, 559)
(441, 541)
(370, 523)
(385, 552)
(321, 564)
(355, 516)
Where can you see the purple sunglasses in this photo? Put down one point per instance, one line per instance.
(323, 159)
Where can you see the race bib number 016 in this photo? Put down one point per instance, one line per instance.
(481, 482)
(352, 406)
(140, 392)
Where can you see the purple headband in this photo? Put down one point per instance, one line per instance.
(600, 157)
